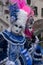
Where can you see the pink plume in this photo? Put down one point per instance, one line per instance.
(23, 5)
(29, 10)
(20, 3)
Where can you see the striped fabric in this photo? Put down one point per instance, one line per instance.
(37, 58)
(27, 56)
(14, 50)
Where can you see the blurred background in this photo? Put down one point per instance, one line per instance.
(37, 6)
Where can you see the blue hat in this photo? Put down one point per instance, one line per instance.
(13, 12)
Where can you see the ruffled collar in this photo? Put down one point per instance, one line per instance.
(13, 37)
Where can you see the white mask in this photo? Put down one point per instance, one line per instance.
(17, 28)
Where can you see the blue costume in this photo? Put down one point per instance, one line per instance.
(16, 48)
(13, 12)
(37, 58)
(3, 49)
(16, 41)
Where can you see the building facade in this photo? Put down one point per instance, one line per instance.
(36, 4)
(38, 15)
(38, 8)
(4, 14)
(38, 12)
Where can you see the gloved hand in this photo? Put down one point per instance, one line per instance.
(9, 63)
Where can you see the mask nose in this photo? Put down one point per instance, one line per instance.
(16, 30)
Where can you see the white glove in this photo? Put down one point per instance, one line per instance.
(37, 40)
(10, 63)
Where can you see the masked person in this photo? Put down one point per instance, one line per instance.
(32, 42)
(17, 55)
(31, 39)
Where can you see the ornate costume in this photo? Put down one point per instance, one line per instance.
(17, 55)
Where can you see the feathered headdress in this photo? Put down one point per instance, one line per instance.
(19, 11)
(13, 12)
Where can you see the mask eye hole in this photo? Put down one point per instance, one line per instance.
(16, 25)
(20, 26)
(31, 22)
(30, 27)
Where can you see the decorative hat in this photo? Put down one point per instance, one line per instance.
(24, 13)
(22, 17)
(19, 14)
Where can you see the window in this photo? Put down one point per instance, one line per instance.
(42, 12)
(35, 11)
(6, 11)
(1, 3)
(29, 2)
(7, 2)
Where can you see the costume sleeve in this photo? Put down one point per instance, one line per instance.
(33, 38)
(3, 48)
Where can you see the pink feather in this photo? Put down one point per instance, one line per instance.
(23, 5)
(20, 3)
(29, 10)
